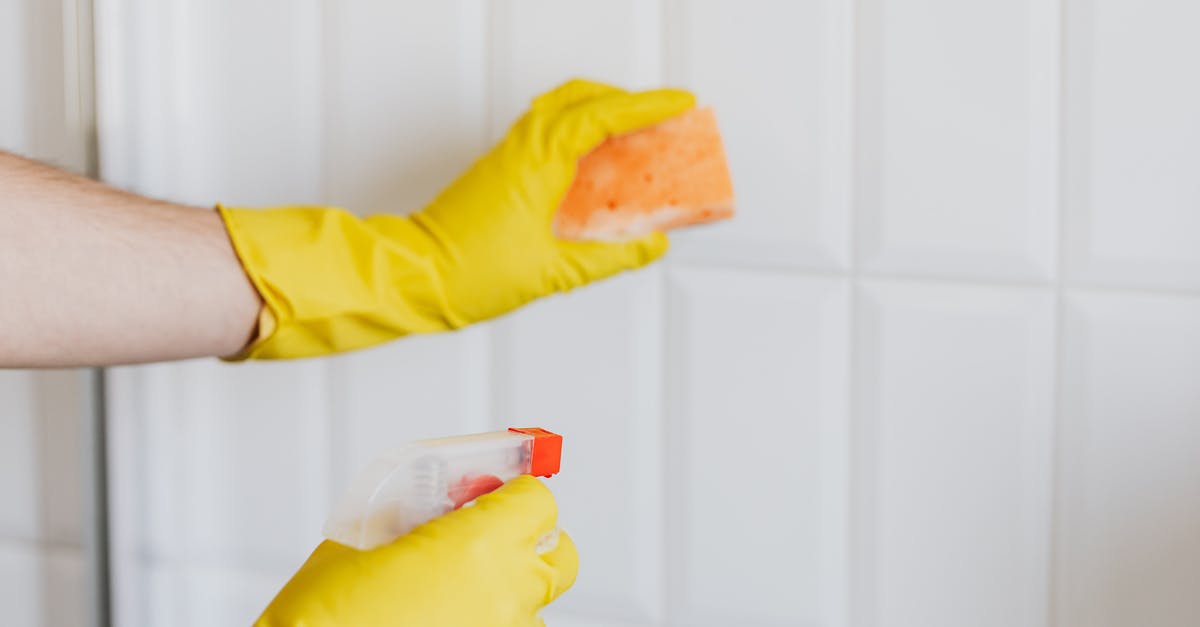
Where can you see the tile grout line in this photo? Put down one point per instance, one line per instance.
(669, 71)
(1052, 561)
(333, 370)
(18, 542)
(481, 411)
(493, 341)
(859, 602)
(856, 274)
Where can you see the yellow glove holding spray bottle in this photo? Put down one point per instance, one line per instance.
(474, 567)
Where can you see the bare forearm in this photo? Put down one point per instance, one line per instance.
(90, 275)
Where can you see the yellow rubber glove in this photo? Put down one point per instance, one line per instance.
(333, 282)
(475, 567)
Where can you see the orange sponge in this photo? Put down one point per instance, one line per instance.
(670, 175)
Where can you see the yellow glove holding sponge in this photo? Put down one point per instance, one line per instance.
(474, 567)
(333, 282)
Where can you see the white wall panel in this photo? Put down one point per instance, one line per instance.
(238, 475)
(757, 433)
(1131, 462)
(224, 465)
(587, 365)
(41, 451)
(20, 595)
(537, 44)
(18, 457)
(777, 75)
(135, 73)
(420, 65)
(211, 102)
(421, 387)
(202, 595)
(1133, 143)
(15, 68)
(42, 109)
(555, 616)
(956, 160)
(42, 586)
(954, 455)
(246, 116)
(64, 587)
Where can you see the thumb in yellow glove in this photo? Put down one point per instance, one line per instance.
(475, 567)
(333, 282)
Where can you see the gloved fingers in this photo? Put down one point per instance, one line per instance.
(582, 126)
(327, 552)
(572, 92)
(522, 510)
(563, 561)
(303, 593)
(589, 261)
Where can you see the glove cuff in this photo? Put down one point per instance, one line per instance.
(331, 282)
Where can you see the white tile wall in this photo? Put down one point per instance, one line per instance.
(956, 156)
(238, 138)
(54, 402)
(872, 400)
(955, 417)
(1130, 477)
(230, 469)
(41, 521)
(524, 31)
(15, 67)
(203, 595)
(434, 50)
(42, 585)
(18, 464)
(210, 486)
(423, 388)
(758, 468)
(1133, 143)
